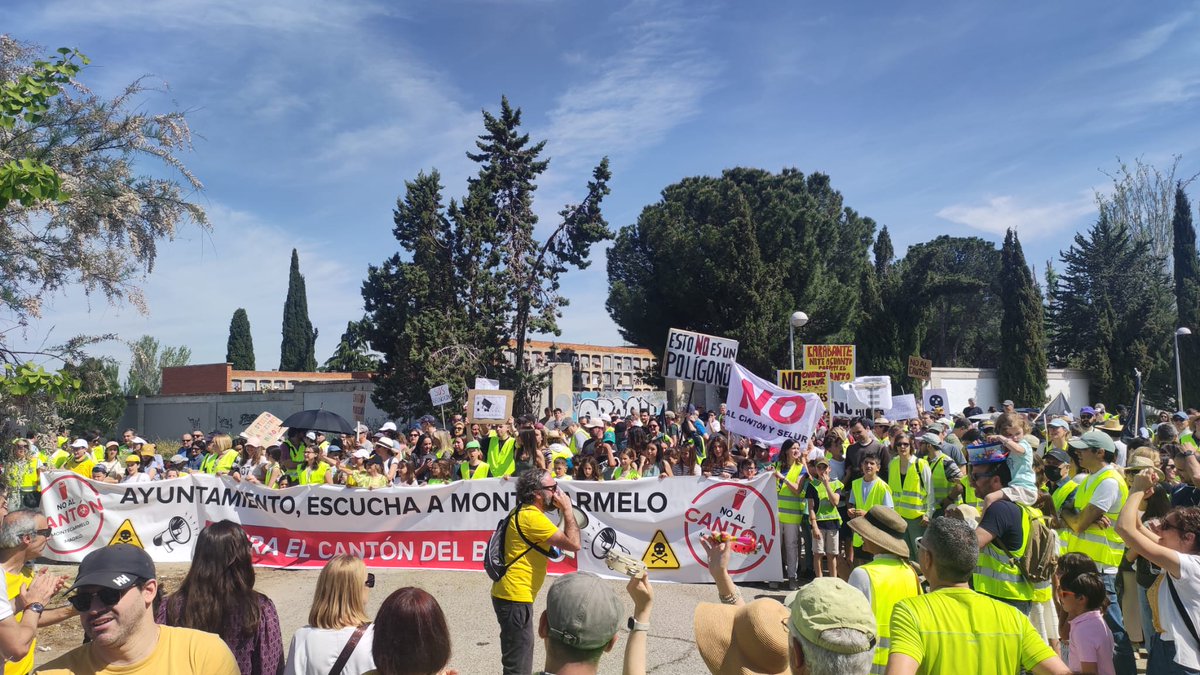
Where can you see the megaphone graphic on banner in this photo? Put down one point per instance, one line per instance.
(178, 532)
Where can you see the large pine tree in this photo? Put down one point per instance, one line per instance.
(1112, 313)
(297, 351)
(239, 350)
(1187, 295)
(478, 283)
(1022, 368)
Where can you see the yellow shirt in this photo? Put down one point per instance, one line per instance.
(958, 630)
(83, 468)
(180, 651)
(15, 582)
(525, 576)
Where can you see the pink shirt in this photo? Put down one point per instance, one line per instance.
(1091, 642)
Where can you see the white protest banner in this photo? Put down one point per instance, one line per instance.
(844, 404)
(433, 527)
(873, 391)
(760, 410)
(485, 383)
(440, 395)
(904, 407)
(936, 398)
(264, 431)
(696, 357)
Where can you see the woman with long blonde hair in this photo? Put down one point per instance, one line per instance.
(338, 614)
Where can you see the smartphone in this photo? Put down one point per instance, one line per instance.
(370, 580)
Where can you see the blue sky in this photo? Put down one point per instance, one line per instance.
(931, 118)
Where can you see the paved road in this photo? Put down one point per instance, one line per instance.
(464, 597)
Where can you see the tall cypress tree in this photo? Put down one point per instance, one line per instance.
(240, 349)
(1112, 313)
(884, 252)
(1187, 294)
(297, 352)
(1022, 368)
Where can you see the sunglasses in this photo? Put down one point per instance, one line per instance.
(370, 580)
(107, 597)
(552, 488)
(904, 445)
(982, 475)
(45, 532)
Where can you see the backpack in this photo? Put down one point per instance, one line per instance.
(1041, 555)
(494, 559)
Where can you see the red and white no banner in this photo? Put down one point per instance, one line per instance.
(764, 412)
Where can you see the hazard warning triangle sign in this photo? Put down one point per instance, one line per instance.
(658, 555)
(125, 534)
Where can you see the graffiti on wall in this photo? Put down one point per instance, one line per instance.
(618, 403)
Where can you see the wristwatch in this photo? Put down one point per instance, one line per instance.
(634, 625)
(36, 607)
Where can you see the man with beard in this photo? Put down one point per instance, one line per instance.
(114, 594)
(527, 543)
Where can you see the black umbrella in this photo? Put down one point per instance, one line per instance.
(319, 420)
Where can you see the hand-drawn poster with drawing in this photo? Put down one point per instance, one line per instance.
(489, 407)
(618, 403)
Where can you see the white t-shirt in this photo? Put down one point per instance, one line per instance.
(314, 650)
(1174, 629)
(837, 469)
(1106, 495)
(138, 477)
(6, 608)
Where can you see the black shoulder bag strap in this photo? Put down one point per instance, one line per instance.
(344, 657)
(515, 519)
(1187, 620)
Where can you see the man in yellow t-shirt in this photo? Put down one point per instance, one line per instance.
(953, 629)
(114, 592)
(81, 461)
(22, 541)
(525, 551)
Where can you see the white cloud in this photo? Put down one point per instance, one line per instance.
(996, 215)
(636, 95)
(1145, 43)
(199, 281)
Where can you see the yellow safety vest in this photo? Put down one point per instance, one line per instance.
(28, 473)
(480, 471)
(892, 580)
(874, 498)
(995, 575)
(937, 476)
(969, 497)
(1065, 534)
(825, 508)
(1101, 544)
(910, 496)
(315, 476)
(208, 464)
(501, 457)
(791, 505)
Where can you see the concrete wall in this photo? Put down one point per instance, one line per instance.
(982, 385)
(169, 416)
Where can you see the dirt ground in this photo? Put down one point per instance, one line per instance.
(465, 599)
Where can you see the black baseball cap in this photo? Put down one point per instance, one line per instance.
(118, 566)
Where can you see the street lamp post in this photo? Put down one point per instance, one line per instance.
(1182, 330)
(797, 321)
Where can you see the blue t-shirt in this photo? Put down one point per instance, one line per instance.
(1021, 466)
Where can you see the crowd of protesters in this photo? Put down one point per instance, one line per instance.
(927, 518)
